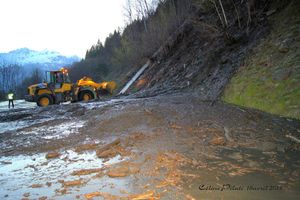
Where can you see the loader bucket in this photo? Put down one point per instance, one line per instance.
(109, 86)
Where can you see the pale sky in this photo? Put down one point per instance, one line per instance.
(67, 26)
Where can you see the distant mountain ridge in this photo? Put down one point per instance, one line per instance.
(30, 59)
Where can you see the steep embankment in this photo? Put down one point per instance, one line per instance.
(200, 56)
(270, 78)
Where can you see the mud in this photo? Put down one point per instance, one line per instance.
(165, 147)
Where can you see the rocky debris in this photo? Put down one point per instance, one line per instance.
(86, 171)
(236, 156)
(123, 169)
(111, 150)
(92, 195)
(283, 50)
(266, 146)
(169, 164)
(6, 162)
(72, 183)
(52, 155)
(48, 184)
(62, 191)
(118, 172)
(36, 186)
(281, 74)
(43, 198)
(189, 197)
(167, 157)
(86, 147)
(147, 195)
(27, 194)
(231, 169)
(107, 150)
(217, 140)
(252, 164)
(175, 126)
(13, 117)
(110, 145)
(107, 153)
(134, 138)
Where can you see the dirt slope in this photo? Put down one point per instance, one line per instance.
(202, 57)
(270, 77)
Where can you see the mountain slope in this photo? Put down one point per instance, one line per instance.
(202, 59)
(45, 60)
(270, 77)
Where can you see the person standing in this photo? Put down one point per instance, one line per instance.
(10, 97)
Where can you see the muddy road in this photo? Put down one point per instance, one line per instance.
(166, 147)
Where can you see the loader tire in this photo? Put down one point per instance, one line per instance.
(86, 96)
(44, 100)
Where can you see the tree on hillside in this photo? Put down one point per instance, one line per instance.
(35, 77)
(10, 78)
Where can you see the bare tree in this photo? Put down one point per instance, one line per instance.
(128, 11)
(10, 77)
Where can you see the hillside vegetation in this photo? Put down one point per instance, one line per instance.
(199, 45)
(149, 24)
(269, 80)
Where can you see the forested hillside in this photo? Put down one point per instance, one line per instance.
(149, 24)
(198, 45)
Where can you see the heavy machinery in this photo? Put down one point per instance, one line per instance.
(58, 88)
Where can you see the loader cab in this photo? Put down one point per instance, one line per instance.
(60, 76)
(56, 79)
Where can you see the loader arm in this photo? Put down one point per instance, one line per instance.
(88, 82)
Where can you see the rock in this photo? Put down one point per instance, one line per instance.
(48, 184)
(92, 195)
(252, 164)
(36, 186)
(175, 126)
(189, 197)
(266, 146)
(118, 172)
(106, 154)
(217, 141)
(6, 162)
(124, 169)
(144, 196)
(86, 171)
(283, 50)
(26, 194)
(72, 183)
(283, 46)
(236, 156)
(62, 191)
(52, 155)
(281, 74)
(103, 151)
(86, 147)
(43, 198)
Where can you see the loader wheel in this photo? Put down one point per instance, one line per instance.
(86, 96)
(44, 100)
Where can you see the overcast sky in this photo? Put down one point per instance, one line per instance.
(67, 26)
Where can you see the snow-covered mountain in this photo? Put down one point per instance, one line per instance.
(30, 59)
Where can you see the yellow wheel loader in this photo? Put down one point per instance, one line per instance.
(58, 88)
